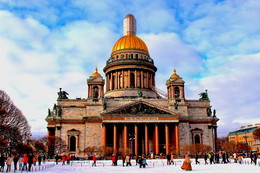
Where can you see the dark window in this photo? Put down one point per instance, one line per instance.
(72, 143)
(197, 139)
(176, 92)
(132, 80)
(95, 92)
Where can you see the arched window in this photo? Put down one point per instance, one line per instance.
(132, 80)
(197, 139)
(72, 143)
(121, 81)
(95, 92)
(176, 92)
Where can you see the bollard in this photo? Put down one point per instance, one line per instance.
(103, 164)
(153, 164)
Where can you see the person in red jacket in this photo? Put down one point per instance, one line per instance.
(25, 161)
(63, 158)
(94, 160)
(68, 159)
(114, 160)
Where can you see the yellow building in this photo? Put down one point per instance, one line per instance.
(245, 135)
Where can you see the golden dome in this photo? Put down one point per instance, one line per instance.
(96, 73)
(129, 42)
(174, 75)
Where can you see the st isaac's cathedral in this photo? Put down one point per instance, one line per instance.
(125, 111)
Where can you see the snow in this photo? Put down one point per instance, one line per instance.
(154, 166)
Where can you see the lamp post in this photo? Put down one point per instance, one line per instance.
(132, 138)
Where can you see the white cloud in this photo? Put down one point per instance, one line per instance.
(36, 61)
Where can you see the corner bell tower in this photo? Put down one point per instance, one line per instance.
(175, 86)
(95, 85)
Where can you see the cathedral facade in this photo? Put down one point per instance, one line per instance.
(125, 111)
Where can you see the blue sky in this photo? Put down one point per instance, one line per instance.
(214, 45)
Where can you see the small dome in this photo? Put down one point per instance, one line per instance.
(96, 73)
(174, 75)
(129, 42)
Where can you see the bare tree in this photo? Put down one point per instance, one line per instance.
(54, 144)
(14, 126)
(220, 142)
(196, 148)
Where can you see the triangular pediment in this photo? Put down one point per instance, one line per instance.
(139, 108)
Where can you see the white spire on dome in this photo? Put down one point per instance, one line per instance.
(129, 25)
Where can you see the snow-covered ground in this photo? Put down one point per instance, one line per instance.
(154, 166)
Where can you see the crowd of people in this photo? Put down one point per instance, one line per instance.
(24, 162)
(20, 162)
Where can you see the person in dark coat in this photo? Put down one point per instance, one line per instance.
(2, 163)
(205, 158)
(44, 158)
(123, 160)
(39, 160)
(16, 158)
(168, 156)
(197, 158)
(56, 159)
(30, 161)
(140, 161)
(255, 158)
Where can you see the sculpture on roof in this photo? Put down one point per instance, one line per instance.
(62, 94)
(204, 95)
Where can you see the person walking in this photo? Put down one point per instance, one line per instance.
(34, 160)
(39, 160)
(68, 159)
(205, 158)
(168, 157)
(123, 160)
(63, 158)
(240, 159)
(186, 163)
(2, 163)
(143, 162)
(30, 161)
(172, 159)
(94, 160)
(197, 158)
(255, 158)
(25, 161)
(113, 160)
(15, 159)
(56, 159)
(20, 162)
(9, 163)
(128, 160)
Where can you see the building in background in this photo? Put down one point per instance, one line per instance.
(127, 112)
(245, 135)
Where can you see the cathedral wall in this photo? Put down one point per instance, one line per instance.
(197, 112)
(93, 110)
(93, 134)
(73, 113)
(184, 134)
